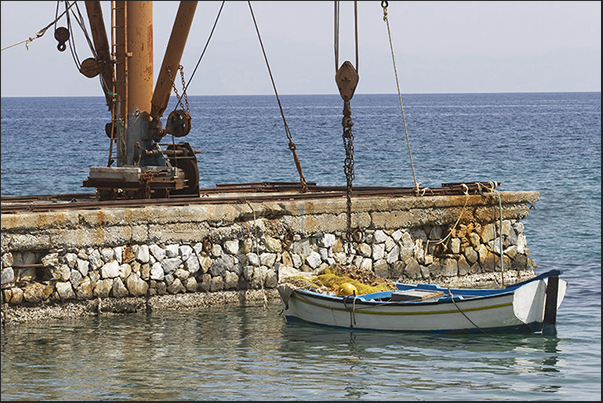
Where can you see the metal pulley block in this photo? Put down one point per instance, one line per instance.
(178, 123)
(91, 67)
(347, 80)
(61, 34)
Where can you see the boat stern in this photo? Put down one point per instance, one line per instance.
(536, 302)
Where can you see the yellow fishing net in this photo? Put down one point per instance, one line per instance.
(338, 278)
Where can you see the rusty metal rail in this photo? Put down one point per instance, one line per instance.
(63, 197)
(231, 194)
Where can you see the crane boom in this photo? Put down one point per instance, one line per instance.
(171, 59)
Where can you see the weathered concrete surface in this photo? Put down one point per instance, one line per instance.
(116, 226)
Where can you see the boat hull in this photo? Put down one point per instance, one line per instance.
(519, 309)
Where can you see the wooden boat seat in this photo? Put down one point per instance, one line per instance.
(416, 295)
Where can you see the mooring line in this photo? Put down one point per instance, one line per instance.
(461, 311)
(257, 251)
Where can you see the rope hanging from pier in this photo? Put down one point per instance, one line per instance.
(257, 251)
(500, 227)
(292, 147)
(347, 78)
(384, 5)
(443, 240)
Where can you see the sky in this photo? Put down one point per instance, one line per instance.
(439, 47)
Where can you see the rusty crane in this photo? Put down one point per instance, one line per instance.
(143, 168)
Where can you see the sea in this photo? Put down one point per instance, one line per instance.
(545, 142)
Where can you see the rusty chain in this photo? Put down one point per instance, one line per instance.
(178, 97)
(347, 78)
(145, 180)
(348, 166)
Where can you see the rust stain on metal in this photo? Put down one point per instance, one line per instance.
(149, 45)
(241, 192)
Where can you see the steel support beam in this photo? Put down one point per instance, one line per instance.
(171, 59)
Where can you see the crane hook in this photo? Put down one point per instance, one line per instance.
(61, 34)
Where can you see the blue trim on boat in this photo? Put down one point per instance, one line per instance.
(542, 276)
(523, 328)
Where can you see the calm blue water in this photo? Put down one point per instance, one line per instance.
(547, 142)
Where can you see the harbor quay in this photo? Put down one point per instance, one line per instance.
(179, 256)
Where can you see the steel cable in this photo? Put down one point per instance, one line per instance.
(292, 146)
(384, 4)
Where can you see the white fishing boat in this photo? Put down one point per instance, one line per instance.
(529, 306)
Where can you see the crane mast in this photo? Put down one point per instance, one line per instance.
(144, 169)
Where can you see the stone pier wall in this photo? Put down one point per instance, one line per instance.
(210, 248)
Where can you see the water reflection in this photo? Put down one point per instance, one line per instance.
(425, 361)
(252, 353)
